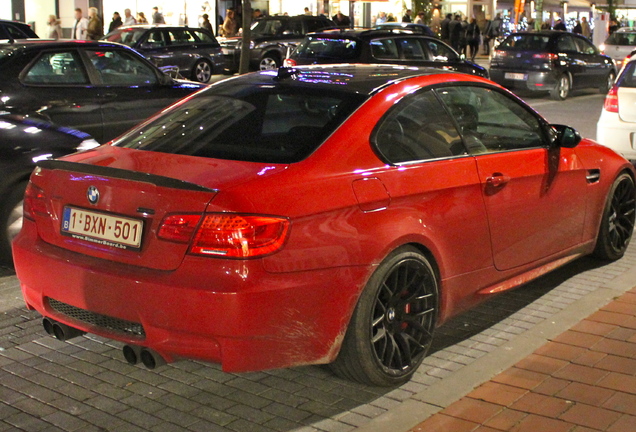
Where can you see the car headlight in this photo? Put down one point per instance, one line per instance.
(87, 144)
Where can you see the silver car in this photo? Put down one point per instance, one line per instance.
(620, 44)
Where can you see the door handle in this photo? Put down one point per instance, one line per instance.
(497, 180)
(108, 95)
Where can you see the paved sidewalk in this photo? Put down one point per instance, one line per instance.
(581, 381)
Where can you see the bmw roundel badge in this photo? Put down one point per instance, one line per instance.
(92, 194)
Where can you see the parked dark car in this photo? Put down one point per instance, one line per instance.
(15, 30)
(195, 51)
(415, 28)
(553, 61)
(381, 47)
(100, 88)
(271, 39)
(23, 143)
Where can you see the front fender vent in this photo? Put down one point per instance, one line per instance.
(593, 175)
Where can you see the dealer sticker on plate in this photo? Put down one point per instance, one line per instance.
(516, 76)
(104, 229)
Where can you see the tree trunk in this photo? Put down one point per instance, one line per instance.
(244, 64)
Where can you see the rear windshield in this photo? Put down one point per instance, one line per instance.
(328, 48)
(627, 77)
(621, 38)
(272, 124)
(525, 42)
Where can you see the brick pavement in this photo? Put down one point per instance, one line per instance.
(584, 380)
(84, 384)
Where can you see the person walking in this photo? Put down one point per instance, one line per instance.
(128, 18)
(55, 29)
(141, 18)
(455, 31)
(341, 19)
(445, 28)
(206, 24)
(419, 19)
(157, 17)
(116, 22)
(407, 16)
(81, 25)
(585, 28)
(95, 28)
(473, 35)
(230, 25)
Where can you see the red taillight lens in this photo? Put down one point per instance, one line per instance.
(545, 56)
(499, 54)
(290, 62)
(239, 236)
(34, 202)
(178, 228)
(611, 100)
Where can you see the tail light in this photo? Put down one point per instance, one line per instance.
(34, 202)
(290, 62)
(545, 56)
(499, 54)
(228, 235)
(611, 100)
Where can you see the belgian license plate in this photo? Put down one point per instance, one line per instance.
(100, 228)
(516, 76)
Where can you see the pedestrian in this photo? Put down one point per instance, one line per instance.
(256, 15)
(341, 19)
(585, 28)
(128, 18)
(407, 16)
(307, 11)
(546, 25)
(206, 24)
(157, 17)
(578, 29)
(55, 29)
(485, 34)
(81, 24)
(141, 18)
(230, 25)
(116, 22)
(463, 40)
(455, 31)
(420, 18)
(560, 25)
(381, 18)
(473, 35)
(445, 28)
(390, 18)
(95, 29)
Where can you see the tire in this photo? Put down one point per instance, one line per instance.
(270, 61)
(562, 88)
(391, 329)
(617, 224)
(202, 71)
(10, 221)
(608, 84)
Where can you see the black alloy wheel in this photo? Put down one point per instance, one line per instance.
(617, 224)
(392, 327)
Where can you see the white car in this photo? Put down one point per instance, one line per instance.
(616, 128)
(619, 45)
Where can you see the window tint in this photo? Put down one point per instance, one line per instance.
(121, 68)
(490, 121)
(266, 27)
(621, 38)
(524, 42)
(155, 39)
(57, 68)
(314, 25)
(411, 49)
(566, 44)
(418, 129)
(317, 47)
(204, 37)
(627, 78)
(179, 37)
(15, 32)
(257, 124)
(127, 37)
(384, 49)
(440, 51)
(295, 27)
(584, 46)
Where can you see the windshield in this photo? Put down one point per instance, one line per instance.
(525, 42)
(320, 47)
(275, 124)
(127, 36)
(267, 27)
(621, 38)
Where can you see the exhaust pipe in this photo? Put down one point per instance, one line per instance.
(132, 354)
(151, 359)
(60, 331)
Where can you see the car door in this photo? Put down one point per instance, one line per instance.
(154, 45)
(571, 60)
(597, 66)
(180, 43)
(535, 193)
(57, 86)
(129, 89)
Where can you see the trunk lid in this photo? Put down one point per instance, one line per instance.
(626, 104)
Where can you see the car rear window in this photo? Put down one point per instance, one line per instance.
(621, 38)
(328, 48)
(272, 124)
(525, 42)
(627, 77)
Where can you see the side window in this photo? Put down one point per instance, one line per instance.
(119, 68)
(384, 49)
(440, 51)
(155, 39)
(584, 46)
(62, 68)
(314, 25)
(566, 44)
(490, 121)
(180, 37)
(411, 49)
(295, 27)
(15, 32)
(204, 37)
(417, 129)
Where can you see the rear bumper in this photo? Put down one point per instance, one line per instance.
(534, 80)
(616, 134)
(226, 311)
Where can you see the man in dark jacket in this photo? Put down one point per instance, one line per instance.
(455, 30)
(444, 28)
(116, 22)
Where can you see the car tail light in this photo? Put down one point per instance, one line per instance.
(545, 56)
(178, 228)
(290, 62)
(34, 202)
(611, 100)
(239, 236)
(499, 54)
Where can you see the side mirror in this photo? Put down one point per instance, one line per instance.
(565, 136)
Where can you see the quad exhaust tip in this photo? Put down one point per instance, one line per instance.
(149, 358)
(60, 331)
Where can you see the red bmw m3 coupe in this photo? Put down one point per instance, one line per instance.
(332, 214)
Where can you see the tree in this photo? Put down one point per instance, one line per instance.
(426, 6)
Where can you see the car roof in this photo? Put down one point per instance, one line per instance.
(59, 43)
(354, 78)
(366, 33)
(155, 26)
